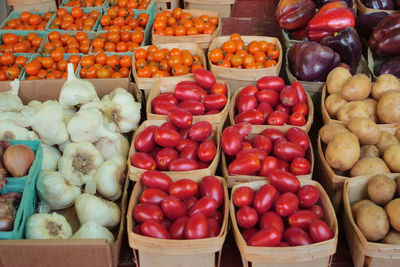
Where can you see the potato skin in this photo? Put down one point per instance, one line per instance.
(357, 87)
(328, 131)
(384, 83)
(353, 110)
(369, 151)
(373, 222)
(366, 130)
(385, 141)
(393, 211)
(333, 103)
(381, 189)
(343, 151)
(392, 157)
(371, 104)
(369, 165)
(336, 79)
(388, 108)
(356, 206)
(393, 237)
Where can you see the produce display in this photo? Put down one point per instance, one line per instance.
(29, 21)
(14, 43)
(117, 42)
(85, 3)
(103, 66)
(11, 66)
(74, 20)
(68, 43)
(118, 19)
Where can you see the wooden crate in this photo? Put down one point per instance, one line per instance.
(162, 5)
(315, 255)
(362, 9)
(363, 252)
(223, 7)
(33, 5)
(135, 173)
(151, 252)
(203, 40)
(237, 78)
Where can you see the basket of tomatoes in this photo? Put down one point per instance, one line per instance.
(69, 42)
(75, 19)
(186, 26)
(21, 41)
(148, 5)
(29, 21)
(12, 66)
(84, 3)
(223, 7)
(106, 65)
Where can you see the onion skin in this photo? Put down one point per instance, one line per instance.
(18, 159)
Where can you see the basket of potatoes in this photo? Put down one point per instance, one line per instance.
(372, 219)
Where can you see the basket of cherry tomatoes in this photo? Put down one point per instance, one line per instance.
(12, 65)
(148, 5)
(69, 42)
(29, 21)
(21, 41)
(84, 3)
(75, 19)
(186, 26)
(106, 65)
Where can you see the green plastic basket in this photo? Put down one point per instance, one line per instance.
(42, 34)
(26, 185)
(90, 35)
(150, 8)
(27, 56)
(85, 10)
(17, 14)
(105, 4)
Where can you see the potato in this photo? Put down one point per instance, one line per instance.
(388, 108)
(386, 140)
(357, 87)
(366, 130)
(353, 110)
(369, 165)
(333, 103)
(393, 211)
(343, 151)
(328, 131)
(397, 133)
(373, 222)
(336, 79)
(381, 189)
(393, 237)
(392, 157)
(356, 206)
(369, 151)
(385, 82)
(371, 103)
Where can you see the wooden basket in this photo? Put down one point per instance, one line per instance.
(33, 5)
(135, 173)
(203, 40)
(260, 128)
(223, 7)
(362, 9)
(162, 5)
(151, 252)
(315, 255)
(237, 78)
(287, 41)
(363, 252)
(146, 83)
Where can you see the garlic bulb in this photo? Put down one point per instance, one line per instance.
(34, 103)
(62, 146)
(51, 155)
(93, 230)
(69, 114)
(122, 109)
(47, 226)
(91, 208)
(55, 190)
(10, 99)
(88, 126)
(95, 104)
(47, 122)
(76, 91)
(8, 130)
(110, 148)
(80, 162)
(110, 176)
(9, 115)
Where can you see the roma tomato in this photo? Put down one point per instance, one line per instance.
(286, 204)
(271, 82)
(146, 211)
(212, 102)
(269, 237)
(317, 210)
(269, 96)
(206, 205)
(277, 117)
(177, 228)
(273, 134)
(282, 165)
(164, 158)
(200, 131)
(166, 137)
(231, 141)
(204, 78)
(269, 163)
(265, 198)
(210, 186)
(301, 108)
(243, 128)
(173, 207)
(248, 90)
(193, 106)
(218, 216)
(144, 141)
(246, 165)
(265, 108)
(196, 227)
(297, 119)
(246, 217)
(143, 161)
(284, 181)
(137, 229)
(247, 102)
(213, 227)
(189, 151)
(166, 97)
(183, 164)
(163, 108)
(271, 219)
(300, 166)
(300, 91)
(183, 189)
(219, 88)
(207, 150)
(154, 229)
(212, 112)
(298, 136)
(189, 202)
(302, 219)
(183, 143)
(246, 145)
(248, 233)
(243, 196)
(153, 196)
(320, 231)
(283, 108)
(189, 92)
(180, 118)
(253, 116)
(262, 142)
(296, 236)
(289, 96)
(156, 179)
(261, 154)
(169, 124)
(308, 196)
(288, 151)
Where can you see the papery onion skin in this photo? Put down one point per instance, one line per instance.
(18, 159)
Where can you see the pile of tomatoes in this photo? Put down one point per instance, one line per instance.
(131, 4)
(236, 54)
(123, 19)
(117, 42)
(28, 21)
(103, 66)
(11, 66)
(76, 20)
(281, 213)
(182, 209)
(77, 43)
(152, 62)
(50, 67)
(12, 43)
(180, 23)
(84, 3)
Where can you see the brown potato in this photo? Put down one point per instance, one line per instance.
(392, 157)
(357, 87)
(333, 103)
(393, 237)
(371, 103)
(336, 79)
(385, 82)
(366, 130)
(388, 108)
(369, 151)
(353, 110)
(369, 165)
(381, 189)
(386, 140)
(393, 211)
(328, 131)
(343, 151)
(397, 133)
(373, 222)
(356, 206)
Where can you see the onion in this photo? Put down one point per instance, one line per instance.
(18, 159)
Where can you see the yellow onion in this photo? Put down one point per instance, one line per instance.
(18, 159)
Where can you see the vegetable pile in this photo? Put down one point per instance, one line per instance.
(103, 66)
(13, 43)
(29, 21)
(77, 43)
(75, 19)
(11, 66)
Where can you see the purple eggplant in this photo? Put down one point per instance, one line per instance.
(366, 23)
(391, 66)
(320, 3)
(379, 4)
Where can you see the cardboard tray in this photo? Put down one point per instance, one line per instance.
(223, 7)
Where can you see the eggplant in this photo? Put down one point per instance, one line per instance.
(366, 23)
(379, 4)
(391, 66)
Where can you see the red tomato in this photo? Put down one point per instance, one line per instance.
(189, 151)
(153, 196)
(262, 142)
(173, 207)
(269, 237)
(189, 92)
(317, 210)
(283, 244)
(284, 181)
(154, 229)
(183, 164)
(283, 108)
(302, 219)
(286, 204)
(212, 112)
(246, 102)
(308, 196)
(243, 196)
(204, 78)
(196, 227)
(164, 157)
(273, 134)
(218, 88)
(143, 161)
(218, 216)
(246, 145)
(269, 96)
(248, 233)
(166, 137)
(265, 198)
(231, 141)
(189, 202)
(169, 124)
(271, 219)
(289, 96)
(243, 128)
(300, 91)
(213, 227)
(210, 186)
(180, 118)
(320, 231)
(193, 106)
(163, 108)
(246, 165)
(215, 101)
(269, 163)
(248, 90)
(297, 119)
(282, 165)
(183, 189)
(177, 228)
(183, 143)
(301, 108)
(300, 166)
(265, 108)
(271, 82)
(253, 116)
(288, 151)
(200, 131)
(261, 154)
(137, 229)
(296, 236)
(166, 97)
(277, 117)
(207, 150)
(144, 141)
(206, 205)
(246, 217)
(156, 179)
(146, 211)
(298, 136)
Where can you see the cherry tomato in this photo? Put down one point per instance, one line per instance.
(156, 179)
(143, 161)
(271, 219)
(288, 151)
(269, 237)
(183, 189)
(286, 204)
(144, 141)
(218, 88)
(183, 164)
(204, 78)
(308, 196)
(193, 106)
(271, 82)
(215, 101)
(243, 196)
(153, 196)
(200, 131)
(300, 166)
(265, 198)
(154, 229)
(265, 108)
(269, 163)
(166, 137)
(177, 228)
(277, 117)
(262, 142)
(206, 205)
(298, 136)
(247, 165)
(246, 102)
(269, 96)
(164, 158)
(196, 227)
(231, 141)
(302, 219)
(163, 108)
(273, 134)
(317, 210)
(297, 119)
(301, 108)
(289, 96)
(183, 143)
(243, 128)
(146, 211)
(300, 91)
(180, 118)
(248, 233)
(207, 150)
(213, 227)
(210, 186)
(296, 236)
(284, 181)
(173, 207)
(246, 217)
(254, 117)
(166, 97)
(189, 151)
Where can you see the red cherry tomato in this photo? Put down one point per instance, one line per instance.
(200, 131)
(146, 211)
(302, 219)
(153, 196)
(166, 137)
(284, 181)
(196, 227)
(269, 163)
(246, 217)
(288, 151)
(265, 198)
(154, 229)
(286, 204)
(296, 236)
(289, 96)
(272, 219)
(173, 207)
(183, 189)
(300, 166)
(181, 118)
(204, 78)
(183, 164)
(269, 96)
(308, 196)
(143, 161)
(177, 228)
(164, 158)
(144, 141)
(246, 165)
(231, 141)
(243, 196)
(269, 237)
(193, 106)
(271, 82)
(156, 179)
